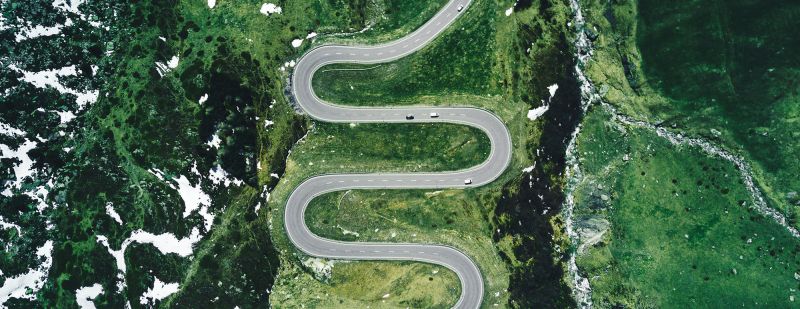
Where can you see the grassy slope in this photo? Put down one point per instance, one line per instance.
(726, 72)
(680, 235)
(371, 148)
(494, 29)
(646, 259)
(503, 64)
(148, 121)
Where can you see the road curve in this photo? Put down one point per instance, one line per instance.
(472, 288)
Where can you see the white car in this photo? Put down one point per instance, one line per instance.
(434, 115)
(460, 7)
(468, 181)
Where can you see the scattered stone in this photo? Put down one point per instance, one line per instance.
(604, 197)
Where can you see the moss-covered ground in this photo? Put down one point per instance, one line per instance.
(682, 230)
(669, 225)
(150, 118)
(486, 59)
(723, 71)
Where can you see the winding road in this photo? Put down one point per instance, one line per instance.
(472, 288)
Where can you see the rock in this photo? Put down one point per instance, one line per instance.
(604, 89)
(590, 231)
(591, 34)
(604, 197)
(716, 133)
(626, 158)
(733, 271)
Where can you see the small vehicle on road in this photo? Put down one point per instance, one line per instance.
(410, 117)
(434, 115)
(468, 181)
(460, 7)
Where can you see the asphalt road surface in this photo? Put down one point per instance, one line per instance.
(472, 289)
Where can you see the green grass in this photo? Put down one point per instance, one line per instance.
(365, 284)
(392, 147)
(388, 20)
(681, 232)
(503, 64)
(342, 148)
(725, 71)
(451, 217)
(452, 65)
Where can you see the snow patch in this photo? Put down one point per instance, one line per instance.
(33, 280)
(529, 168)
(113, 213)
(297, 42)
(159, 291)
(212, 3)
(164, 68)
(37, 31)
(87, 294)
(193, 199)
(49, 78)
(270, 8)
(218, 175)
(165, 243)
(552, 89)
(22, 170)
(537, 112)
(203, 99)
(8, 130)
(214, 142)
(65, 116)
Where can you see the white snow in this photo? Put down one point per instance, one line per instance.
(159, 291)
(212, 3)
(23, 169)
(193, 199)
(87, 294)
(46, 78)
(9, 225)
(17, 287)
(270, 8)
(214, 142)
(72, 7)
(10, 131)
(509, 11)
(297, 42)
(203, 98)
(113, 213)
(66, 116)
(173, 62)
(166, 243)
(529, 168)
(218, 175)
(268, 123)
(311, 35)
(37, 31)
(163, 68)
(537, 112)
(552, 89)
